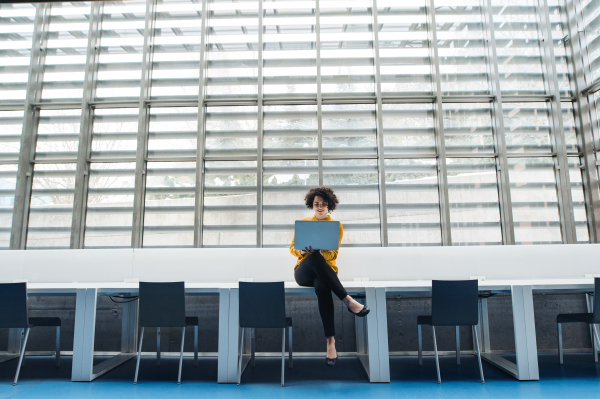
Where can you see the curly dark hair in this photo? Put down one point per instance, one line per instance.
(324, 192)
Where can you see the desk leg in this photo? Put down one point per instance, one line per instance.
(526, 367)
(233, 335)
(129, 327)
(83, 339)
(14, 340)
(372, 338)
(382, 335)
(85, 330)
(525, 340)
(223, 355)
(228, 337)
(366, 339)
(14, 345)
(483, 328)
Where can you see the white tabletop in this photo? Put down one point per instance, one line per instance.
(407, 286)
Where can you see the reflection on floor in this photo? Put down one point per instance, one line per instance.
(310, 378)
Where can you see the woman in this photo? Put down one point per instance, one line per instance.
(316, 268)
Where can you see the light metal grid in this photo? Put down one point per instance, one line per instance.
(209, 120)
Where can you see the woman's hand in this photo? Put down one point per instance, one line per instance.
(309, 250)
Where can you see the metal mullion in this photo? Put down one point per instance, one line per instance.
(582, 36)
(556, 127)
(585, 139)
(594, 126)
(439, 127)
(230, 103)
(171, 159)
(502, 175)
(340, 157)
(587, 78)
(143, 125)
(410, 156)
(526, 99)
(467, 99)
(319, 94)
(57, 105)
(173, 103)
(284, 101)
(471, 155)
(201, 141)
(536, 155)
(259, 129)
(114, 104)
(329, 99)
(85, 129)
(30, 121)
(7, 162)
(54, 161)
(594, 87)
(407, 99)
(380, 146)
(12, 106)
(112, 160)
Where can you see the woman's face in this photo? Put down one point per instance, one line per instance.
(320, 207)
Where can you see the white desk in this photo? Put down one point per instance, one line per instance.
(520, 270)
(526, 366)
(371, 331)
(85, 320)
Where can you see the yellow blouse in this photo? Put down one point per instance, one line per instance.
(330, 256)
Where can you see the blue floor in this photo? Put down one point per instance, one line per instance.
(310, 378)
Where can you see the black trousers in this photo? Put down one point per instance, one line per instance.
(315, 272)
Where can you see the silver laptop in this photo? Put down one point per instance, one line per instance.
(317, 234)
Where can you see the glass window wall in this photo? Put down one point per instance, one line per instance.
(335, 110)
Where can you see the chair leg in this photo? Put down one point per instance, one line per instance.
(157, 346)
(58, 346)
(21, 356)
(560, 345)
(181, 355)
(478, 353)
(420, 345)
(240, 348)
(437, 360)
(137, 365)
(252, 348)
(457, 346)
(21, 343)
(290, 348)
(195, 346)
(283, 357)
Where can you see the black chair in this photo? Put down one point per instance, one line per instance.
(453, 303)
(163, 305)
(262, 305)
(589, 318)
(14, 314)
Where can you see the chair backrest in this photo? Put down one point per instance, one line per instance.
(596, 317)
(162, 304)
(454, 303)
(13, 305)
(262, 305)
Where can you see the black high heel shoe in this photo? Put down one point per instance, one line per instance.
(331, 361)
(363, 312)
